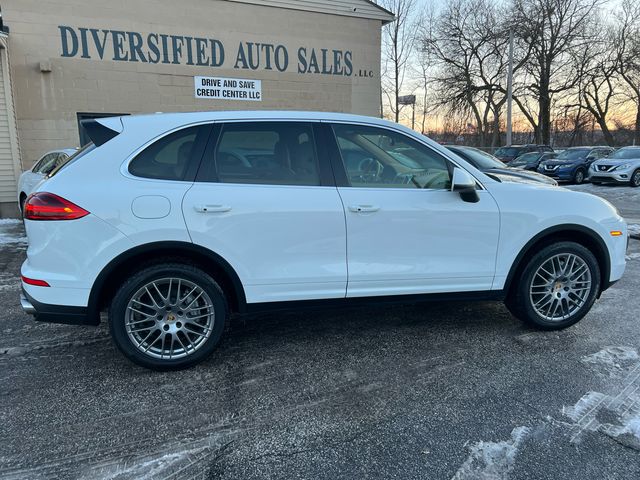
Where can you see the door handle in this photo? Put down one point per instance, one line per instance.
(363, 208)
(212, 208)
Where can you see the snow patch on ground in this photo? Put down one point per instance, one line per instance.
(613, 358)
(613, 191)
(11, 232)
(12, 238)
(492, 460)
(618, 417)
(149, 469)
(178, 460)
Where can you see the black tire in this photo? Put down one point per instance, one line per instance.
(520, 302)
(23, 199)
(635, 179)
(580, 176)
(161, 272)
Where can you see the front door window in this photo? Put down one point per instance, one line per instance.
(375, 157)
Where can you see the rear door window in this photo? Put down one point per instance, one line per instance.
(273, 153)
(57, 160)
(173, 156)
(44, 162)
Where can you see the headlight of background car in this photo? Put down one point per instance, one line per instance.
(624, 166)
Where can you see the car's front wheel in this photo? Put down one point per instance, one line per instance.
(168, 316)
(557, 287)
(579, 176)
(635, 179)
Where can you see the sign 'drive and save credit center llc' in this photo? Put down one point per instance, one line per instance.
(220, 88)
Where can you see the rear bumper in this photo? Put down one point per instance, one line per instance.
(44, 312)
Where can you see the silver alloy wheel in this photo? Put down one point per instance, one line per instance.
(579, 177)
(560, 287)
(169, 318)
(636, 178)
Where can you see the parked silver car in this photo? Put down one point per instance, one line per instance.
(45, 164)
(623, 166)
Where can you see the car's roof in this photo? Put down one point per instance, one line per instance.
(588, 146)
(463, 147)
(219, 115)
(523, 145)
(68, 151)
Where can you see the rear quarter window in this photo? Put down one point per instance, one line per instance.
(172, 157)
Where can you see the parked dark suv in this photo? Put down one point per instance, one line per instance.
(573, 164)
(506, 154)
(531, 160)
(489, 164)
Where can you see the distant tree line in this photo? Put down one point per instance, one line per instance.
(576, 69)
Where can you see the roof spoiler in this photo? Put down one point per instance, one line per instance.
(101, 130)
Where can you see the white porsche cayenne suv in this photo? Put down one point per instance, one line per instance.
(174, 222)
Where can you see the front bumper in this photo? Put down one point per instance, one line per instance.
(610, 177)
(559, 174)
(44, 312)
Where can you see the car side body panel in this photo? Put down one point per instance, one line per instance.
(285, 242)
(525, 214)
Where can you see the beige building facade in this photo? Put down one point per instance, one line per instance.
(63, 61)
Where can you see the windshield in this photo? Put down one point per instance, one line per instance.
(573, 154)
(480, 159)
(626, 153)
(527, 157)
(507, 151)
(86, 149)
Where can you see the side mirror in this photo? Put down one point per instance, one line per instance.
(465, 185)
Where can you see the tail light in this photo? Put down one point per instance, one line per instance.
(47, 206)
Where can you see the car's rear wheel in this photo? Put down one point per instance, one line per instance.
(23, 200)
(168, 317)
(635, 179)
(557, 287)
(579, 176)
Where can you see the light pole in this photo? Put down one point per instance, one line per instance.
(510, 89)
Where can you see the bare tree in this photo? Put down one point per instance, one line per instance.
(397, 40)
(422, 67)
(597, 94)
(552, 30)
(597, 86)
(469, 44)
(627, 55)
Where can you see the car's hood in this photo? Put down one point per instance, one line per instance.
(520, 163)
(559, 162)
(616, 161)
(517, 175)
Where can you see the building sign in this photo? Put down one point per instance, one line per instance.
(219, 88)
(152, 48)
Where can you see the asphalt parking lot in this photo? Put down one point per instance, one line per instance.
(432, 391)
